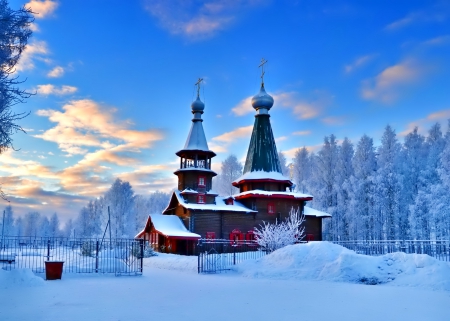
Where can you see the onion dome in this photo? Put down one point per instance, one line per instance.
(262, 99)
(197, 106)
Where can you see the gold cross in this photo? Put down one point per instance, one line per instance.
(263, 62)
(198, 86)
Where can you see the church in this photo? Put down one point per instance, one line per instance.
(195, 211)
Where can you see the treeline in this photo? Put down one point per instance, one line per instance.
(32, 224)
(394, 191)
(128, 214)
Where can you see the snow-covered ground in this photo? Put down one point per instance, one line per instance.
(315, 281)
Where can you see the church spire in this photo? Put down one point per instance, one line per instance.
(262, 153)
(262, 163)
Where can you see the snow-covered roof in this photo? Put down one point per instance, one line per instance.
(171, 225)
(219, 206)
(272, 193)
(312, 212)
(256, 175)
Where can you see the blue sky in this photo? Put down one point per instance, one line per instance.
(115, 79)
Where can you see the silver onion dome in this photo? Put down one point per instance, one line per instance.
(197, 106)
(262, 99)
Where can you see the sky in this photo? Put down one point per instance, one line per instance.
(114, 81)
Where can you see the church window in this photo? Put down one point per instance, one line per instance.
(201, 199)
(271, 208)
(201, 181)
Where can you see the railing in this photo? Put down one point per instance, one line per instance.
(437, 249)
(217, 255)
(80, 255)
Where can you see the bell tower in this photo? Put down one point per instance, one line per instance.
(195, 174)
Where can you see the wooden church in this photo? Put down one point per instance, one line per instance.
(264, 193)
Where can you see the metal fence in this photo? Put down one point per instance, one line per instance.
(217, 255)
(80, 255)
(437, 249)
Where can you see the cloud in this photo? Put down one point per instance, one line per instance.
(234, 134)
(197, 19)
(333, 120)
(220, 143)
(56, 72)
(85, 123)
(441, 116)
(359, 62)
(33, 51)
(386, 86)
(53, 90)
(302, 133)
(280, 139)
(244, 107)
(42, 8)
(437, 41)
(431, 15)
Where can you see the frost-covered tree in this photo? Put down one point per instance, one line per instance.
(275, 236)
(68, 230)
(284, 166)
(19, 227)
(8, 228)
(120, 199)
(302, 169)
(324, 180)
(54, 226)
(231, 169)
(388, 189)
(32, 224)
(344, 170)
(44, 227)
(362, 205)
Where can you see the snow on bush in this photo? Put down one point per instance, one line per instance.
(19, 277)
(330, 262)
(275, 236)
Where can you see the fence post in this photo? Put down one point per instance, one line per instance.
(96, 256)
(48, 250)
(234, 252)
(141, 244)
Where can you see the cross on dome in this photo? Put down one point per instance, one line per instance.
(263, 62)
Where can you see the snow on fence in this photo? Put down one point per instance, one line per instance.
(80, 255)
(437, 249)
(217, 255)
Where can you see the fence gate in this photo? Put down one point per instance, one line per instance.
(210, 262)
(216, 255)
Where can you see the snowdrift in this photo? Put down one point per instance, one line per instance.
(330, 262)
(19, 277)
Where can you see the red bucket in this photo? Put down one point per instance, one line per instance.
(53, 270)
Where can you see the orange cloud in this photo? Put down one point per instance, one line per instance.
(386, 86)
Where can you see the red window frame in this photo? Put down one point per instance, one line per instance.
(210, 235)
(202, 181)
(250, 237)
(229, 201)
(236, 235)
(201, 199)
(271, 208)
